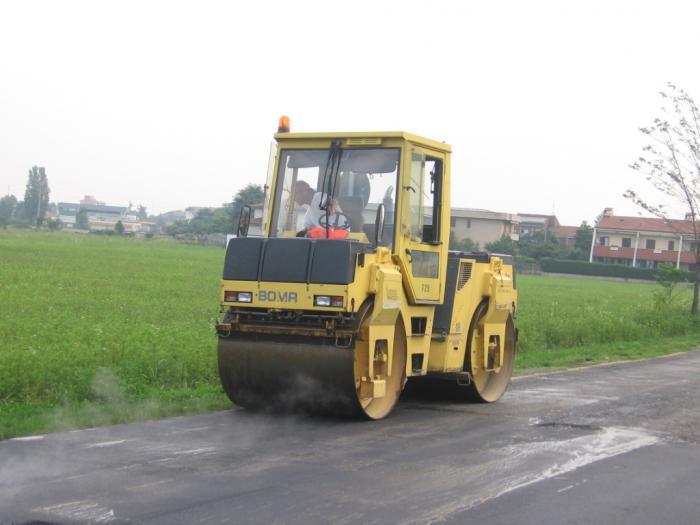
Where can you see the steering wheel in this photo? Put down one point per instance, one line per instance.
(346, 225)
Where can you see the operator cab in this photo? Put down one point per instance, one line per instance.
(380, 189)
(335, 188)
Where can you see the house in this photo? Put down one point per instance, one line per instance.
(531, 223)
(534, 222)
(483, 226)
(642, 242)
(565, 234)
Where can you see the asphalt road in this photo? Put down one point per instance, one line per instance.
(605, 445)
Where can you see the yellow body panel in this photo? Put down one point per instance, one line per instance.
(488, 282)
(382, 280)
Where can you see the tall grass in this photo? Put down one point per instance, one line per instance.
(569, 312)
(72, 305)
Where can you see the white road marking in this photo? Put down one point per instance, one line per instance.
(106, 444)
(137, 488)
(88, 511)
(28, 438)
(160, 460)
(194, 451)
(524, 464)
(565, 489)
(559, 395)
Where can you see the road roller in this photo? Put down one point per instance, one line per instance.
(339, 289)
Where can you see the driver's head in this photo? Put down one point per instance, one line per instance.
(302, 192)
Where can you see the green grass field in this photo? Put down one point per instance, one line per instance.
(570, 321)
(98, 330)
(92, 323)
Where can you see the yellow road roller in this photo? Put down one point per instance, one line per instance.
(340, 289)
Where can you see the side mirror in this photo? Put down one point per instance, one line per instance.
(379, 225)
(244, 221)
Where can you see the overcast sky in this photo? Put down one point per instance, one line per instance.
(173, 104)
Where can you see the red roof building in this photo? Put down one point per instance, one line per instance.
(531, 223)
(565, 234)
(643, 242)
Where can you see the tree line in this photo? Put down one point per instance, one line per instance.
(218, 220)
(544, 245)
(33, 209)
(536, 246)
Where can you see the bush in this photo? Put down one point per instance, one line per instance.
(604, 270)
(526, 264)
(108, 233)
(54, 224)
(669, 278)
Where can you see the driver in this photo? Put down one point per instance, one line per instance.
(313, 215)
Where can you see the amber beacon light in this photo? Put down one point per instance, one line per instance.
(283, 126)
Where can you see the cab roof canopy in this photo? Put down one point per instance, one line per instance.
(368, 138)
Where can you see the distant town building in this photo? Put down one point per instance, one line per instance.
(643, 242)
(89, 200)
(101, 216)
(67, 213)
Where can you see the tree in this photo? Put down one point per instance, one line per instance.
(36, 196)
(207, 220)
(504, 245)
(251, 194)
(584, 237)
(539, 245)
(7, 206)
(463, 245)
(119, 227)
(671, 163)
(142, 213)
(81, 220)
(19, 217)
(669, 277)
